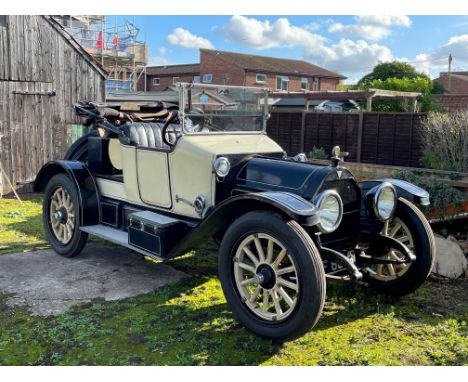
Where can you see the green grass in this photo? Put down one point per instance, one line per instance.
(21, 225)
(189, 323)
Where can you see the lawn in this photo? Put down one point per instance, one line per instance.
(189, 323)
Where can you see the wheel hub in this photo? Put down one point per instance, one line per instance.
(62, 215)
(266, 276)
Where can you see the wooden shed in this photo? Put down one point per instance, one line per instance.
(43, 70)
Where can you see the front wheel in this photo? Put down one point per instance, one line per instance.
(272, 275)
(410, 227)
(61, 216)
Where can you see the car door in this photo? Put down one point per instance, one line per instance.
(153, 176)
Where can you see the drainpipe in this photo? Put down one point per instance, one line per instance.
(449, 73)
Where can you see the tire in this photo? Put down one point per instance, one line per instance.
(63, 234)
(422, 244)
(304, 308)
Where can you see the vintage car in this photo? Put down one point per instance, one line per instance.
(162, 179)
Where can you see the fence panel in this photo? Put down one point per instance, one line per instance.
(369, 137)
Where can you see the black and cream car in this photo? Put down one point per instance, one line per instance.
(162, 179)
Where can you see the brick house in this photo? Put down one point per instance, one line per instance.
(220, 67)
(456, 95)
(458, 82)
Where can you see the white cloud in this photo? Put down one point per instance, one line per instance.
(437, 59)
(158, 61)
(371, 27)
(259, 34)
(349, 56)
(184, 38)
(346, 55)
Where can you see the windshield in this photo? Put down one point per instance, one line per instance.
(222, 109)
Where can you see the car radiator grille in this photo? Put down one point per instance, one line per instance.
(348, 191)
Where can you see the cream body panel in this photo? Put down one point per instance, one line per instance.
(130, 173)
(191, 164)
(115, 153)
(153, 177)
(111, 189)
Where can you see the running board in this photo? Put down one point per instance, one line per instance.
(116, 236)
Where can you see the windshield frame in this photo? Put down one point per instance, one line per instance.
(187, 86)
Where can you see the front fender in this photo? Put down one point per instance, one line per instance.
(220, 217)
(84, 182)
(404, 189)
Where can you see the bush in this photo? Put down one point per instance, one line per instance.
(445, 141)
(317, 153)
(440, 192)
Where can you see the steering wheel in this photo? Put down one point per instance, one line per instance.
(164, 133)
(201, 124)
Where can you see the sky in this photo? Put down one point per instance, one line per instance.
(351, 45)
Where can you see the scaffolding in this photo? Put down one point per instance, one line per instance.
(115, 44)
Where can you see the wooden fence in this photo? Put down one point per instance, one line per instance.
(380, 138)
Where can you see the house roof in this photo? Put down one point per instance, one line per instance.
(277, 65)
(173, 69)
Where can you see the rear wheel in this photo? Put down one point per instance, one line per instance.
(410, 227)
(272, 275)
(61, 216)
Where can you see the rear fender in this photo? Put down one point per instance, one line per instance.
(84, 182)
(218, 220)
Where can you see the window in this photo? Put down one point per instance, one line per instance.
(261, 78)
(316, 84)
(196, 79)
(3, 21)
(156, 81)
(175, 80)
(208, 78)
(282, 83)
(304, 83)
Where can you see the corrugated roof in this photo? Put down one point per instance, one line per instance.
(273, 64)
(173, 69)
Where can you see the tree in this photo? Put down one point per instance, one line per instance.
(401, 76)
(424, 85)
(394, 69)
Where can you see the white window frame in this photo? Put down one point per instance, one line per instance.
(175, 80)
(156, 81)
(205, 80)
(261, 81)
(304, 83)
(315, 84)
(195, 79)
(284, 79)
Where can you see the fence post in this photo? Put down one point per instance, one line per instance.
(303, 131)
(359, 137)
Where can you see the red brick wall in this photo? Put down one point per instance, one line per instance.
(453, 102)
(164, 81)
(457, 85)
(223, 72)
(294, 82)
(329, 84)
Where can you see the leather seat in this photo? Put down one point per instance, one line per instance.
(148, 134)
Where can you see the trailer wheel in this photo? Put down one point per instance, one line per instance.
(272, 275)
(61, 216)
(411, 228)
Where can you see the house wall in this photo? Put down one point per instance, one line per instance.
(457, 85)
(223, 72)
(41, 74)
(294, 82)
(164, 81)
